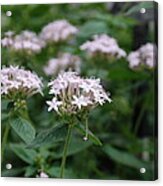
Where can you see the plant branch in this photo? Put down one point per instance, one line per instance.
(67, 141)
(4, 140)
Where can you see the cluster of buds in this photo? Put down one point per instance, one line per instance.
(144, 56)
(73, 94)
(58, 31)
(103, 45)
(65, 61)
(17, 83)
(26, 41)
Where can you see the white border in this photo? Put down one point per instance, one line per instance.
(47, 182)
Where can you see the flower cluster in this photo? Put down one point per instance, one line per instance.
(26, 41)
(144, 56)
(17, 83)
(64, 62)
(103, 44)
(73, 94)
(7, 41)
(56, 31)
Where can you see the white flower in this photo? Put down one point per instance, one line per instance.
(54, 104)
(64, 62)
(101, 97)
(134, 59)
(19, 83)
(103, 44)
(145, 55)
(7, 41)
(42, 175)
(9, 33)
(81, 101)
(56, 31)
(73, 93)
(90, 85)
(26, 41)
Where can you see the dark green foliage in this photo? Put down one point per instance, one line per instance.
(49, 136)
(24, 129)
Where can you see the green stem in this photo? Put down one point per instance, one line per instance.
(4, 140)
(138, 122)
(142, 111)
(86, 128)
(67, 141)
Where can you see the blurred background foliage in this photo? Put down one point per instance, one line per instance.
(127, 128)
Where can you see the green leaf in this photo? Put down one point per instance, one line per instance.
(123, 158)
(116, 21)
(4, 116)
(23, 129)
(55, 172)
(5, 104)
(136, 8)
(92, 27)
(92, 137)
(27, 155)
(30, 171)
(12, 172)
(49, 136)
(76, 145)
(121, 72)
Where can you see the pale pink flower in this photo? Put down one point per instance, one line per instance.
(103, 44)
(26, 41)
(73, 94)
(20, 83)
(56, 31)
(144, 56)
(64, 62)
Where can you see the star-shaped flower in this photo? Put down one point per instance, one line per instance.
(81, 101)
(54, 104)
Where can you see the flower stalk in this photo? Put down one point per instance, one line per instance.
(4, 140)
(86, 130)
(67, 141)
